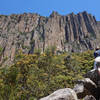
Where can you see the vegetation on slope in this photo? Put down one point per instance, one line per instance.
(36, 75)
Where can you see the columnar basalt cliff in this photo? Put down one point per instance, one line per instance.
(27, 32)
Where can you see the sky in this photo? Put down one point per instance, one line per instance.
(45, 7)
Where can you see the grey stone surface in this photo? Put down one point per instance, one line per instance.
(89, 97)
(62, 94)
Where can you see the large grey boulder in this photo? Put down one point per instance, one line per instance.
(62, 94)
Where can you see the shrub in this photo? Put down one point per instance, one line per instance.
(36, 75)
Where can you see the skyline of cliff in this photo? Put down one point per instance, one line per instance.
(45, 7)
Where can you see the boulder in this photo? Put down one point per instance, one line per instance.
(62, 94)
(89, 97)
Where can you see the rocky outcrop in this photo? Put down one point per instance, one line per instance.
(85, 89)
(62, 94)
(27, 32)
(89, 87)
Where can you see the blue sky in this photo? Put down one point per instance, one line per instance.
(45, 7)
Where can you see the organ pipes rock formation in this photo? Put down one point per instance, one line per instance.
(29, 31)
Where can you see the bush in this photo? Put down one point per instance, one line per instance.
(36, 75)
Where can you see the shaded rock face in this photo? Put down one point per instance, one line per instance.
(62, 94)
(86, 87)
(27, 32)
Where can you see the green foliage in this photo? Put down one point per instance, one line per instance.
(1, 49)
(36, 75)
(25, 47)
(32, 42)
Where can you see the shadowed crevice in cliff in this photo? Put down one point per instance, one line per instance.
(32, 43)
(88, 23)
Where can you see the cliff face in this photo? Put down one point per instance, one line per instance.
(32, 31)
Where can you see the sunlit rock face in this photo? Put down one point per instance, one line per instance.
(27, 32)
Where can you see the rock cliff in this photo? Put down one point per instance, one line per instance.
(27, 32)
